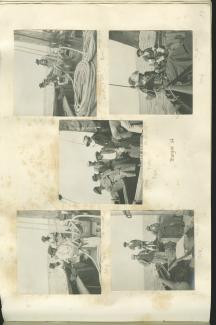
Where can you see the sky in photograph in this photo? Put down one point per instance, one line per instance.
(29, 99)
(32, 259)
(75, 177)
(128, 274)
(34, 274)
(122, 62)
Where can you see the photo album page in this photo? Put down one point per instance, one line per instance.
(105, 141)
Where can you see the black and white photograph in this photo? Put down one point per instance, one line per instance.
(151, 72)
(100, 161)
(58, 252)
(152, 250)
(55, 72)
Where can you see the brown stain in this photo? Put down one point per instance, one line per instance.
(41, 165)
(6, 182)
(146, 318)
(54, 122)
(53, 149)
(11, 249)
(52, 195)
(13, 225)
(161, 300)
(9, 273)
(35, 164)
(100, 87)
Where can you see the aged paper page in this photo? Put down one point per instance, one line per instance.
(174, 158)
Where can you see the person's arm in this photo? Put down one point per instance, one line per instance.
(168, 283)
(176, 285)
(144, 262)
(81, 287)
(107, 172)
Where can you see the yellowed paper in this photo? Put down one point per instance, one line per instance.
(176, 164)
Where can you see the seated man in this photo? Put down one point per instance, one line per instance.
(153, 55)
(148, 82)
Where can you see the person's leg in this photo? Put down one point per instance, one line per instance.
(127, 174)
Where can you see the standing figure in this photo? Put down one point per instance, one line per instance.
(140, 244)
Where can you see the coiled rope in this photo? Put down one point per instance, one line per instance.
(85, 78)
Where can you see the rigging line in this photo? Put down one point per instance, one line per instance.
(28, 52)
(39, 55)
(123, 86)
(32, 52)
(33, 49)
(31, 228)
(187, 70)
(45, 53)
(33, 223)
(31, 37)
(72, 141)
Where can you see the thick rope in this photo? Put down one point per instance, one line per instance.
(85, 88)
(85, 77)
(84, 82)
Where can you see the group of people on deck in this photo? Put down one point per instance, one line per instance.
(69, 250)
(119, 155)
(148, 251)
(61, 67)
(170, 63)
(67, 244)
(61, 60)
(175, 272)
(151, 81)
